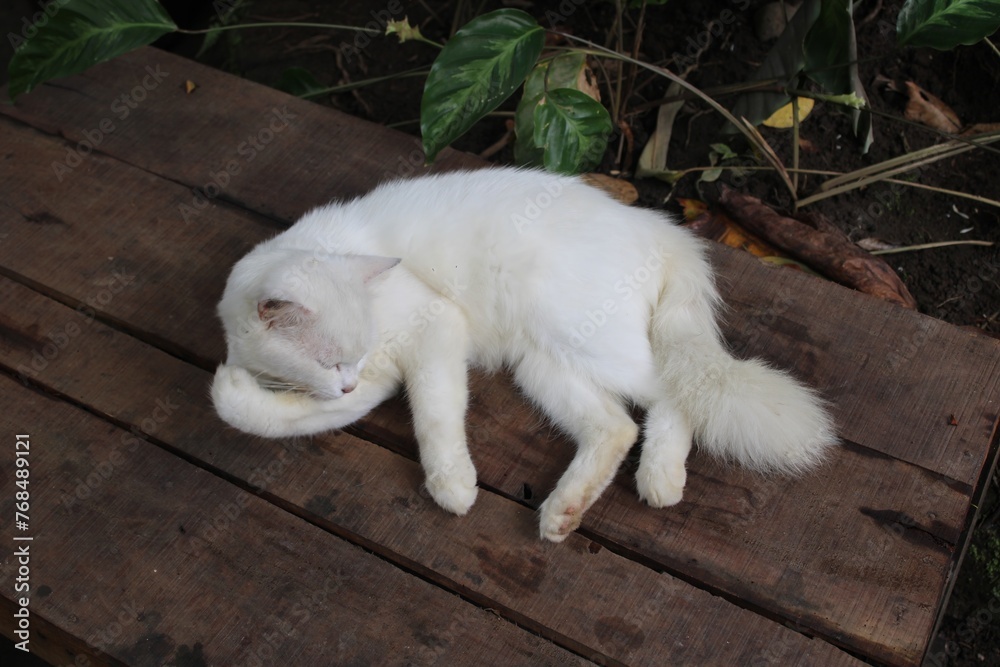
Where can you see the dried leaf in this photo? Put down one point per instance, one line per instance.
(821, 245)
(872, 243)
(653, 160)
(929, 110)
(692, 208)
(807, 146)
(717, 226)
(782, 118)
(189, 86)
(621, 190)
(980, 128)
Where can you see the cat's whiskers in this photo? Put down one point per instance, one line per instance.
(274, 384)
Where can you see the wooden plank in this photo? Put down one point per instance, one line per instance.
(140, 563)
(587, 598)
(921, 389)
(895, 377)
(162, 284)
(231, 138)
(859, 552)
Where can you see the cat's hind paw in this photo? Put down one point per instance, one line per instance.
(661, 485)
(454, 490)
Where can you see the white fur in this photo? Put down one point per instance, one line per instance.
(593, 305)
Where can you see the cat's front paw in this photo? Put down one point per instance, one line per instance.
(233, 390)
(235, 379)
(661, 485)
(453, 487)
(559, 517)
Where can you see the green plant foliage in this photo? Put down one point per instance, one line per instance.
(300, 82)
(83, 33)
(564, 71)
(572, 129)
(486, 60)
(784, 63)
(831, 55)
(944, 24)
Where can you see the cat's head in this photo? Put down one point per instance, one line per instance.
(302, 321)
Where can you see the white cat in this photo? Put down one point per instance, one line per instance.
(593, 304)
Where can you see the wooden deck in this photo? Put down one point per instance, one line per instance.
(162, 536)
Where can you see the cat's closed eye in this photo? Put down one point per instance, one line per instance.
(330, 365)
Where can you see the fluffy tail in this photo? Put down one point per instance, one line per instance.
(741, 410)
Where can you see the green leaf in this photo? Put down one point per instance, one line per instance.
(783, 62)
(564, 71)
(572, 129)
(723, 151)
(300, 82)
(83, 33)
(944, 24)
(831, 60)
(486, 60)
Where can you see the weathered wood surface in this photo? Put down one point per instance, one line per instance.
(157, 561)
(854, 352)
(857, 555)
(371, 496)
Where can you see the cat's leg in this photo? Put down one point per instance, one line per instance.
(667, 441)
(599, 424)
(244, 404)
(437, 390)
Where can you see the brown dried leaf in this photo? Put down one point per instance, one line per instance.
(980, 128)
(929, 110)
(819, 244)
(586, 82)
(873, 243)
(716, 226)
(621, 190)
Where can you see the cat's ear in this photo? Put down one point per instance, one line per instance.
(371, 267)
(281, 314)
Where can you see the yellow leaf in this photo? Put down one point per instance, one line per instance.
(782, 118)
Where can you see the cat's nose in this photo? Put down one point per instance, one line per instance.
(348, 388)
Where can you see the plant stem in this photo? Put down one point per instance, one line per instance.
(826, 172)
(325, 26)
(364, 82)
(595, 49)
(927, 246)
(795, 141)
(992, 46)
(877, 172)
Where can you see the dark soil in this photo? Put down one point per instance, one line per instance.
(958, 284)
